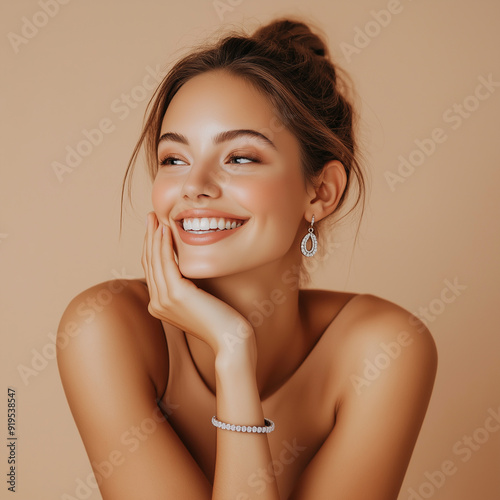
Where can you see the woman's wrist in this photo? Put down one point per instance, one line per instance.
(238, 399)
(240, 358)
(237, 340)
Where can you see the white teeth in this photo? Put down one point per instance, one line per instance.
(204, 224)
(209, 224)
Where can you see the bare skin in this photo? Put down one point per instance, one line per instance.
(345, 377)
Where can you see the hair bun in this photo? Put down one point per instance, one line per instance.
(288, 31)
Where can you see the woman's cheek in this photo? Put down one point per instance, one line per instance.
(261, 195)
(161, 196)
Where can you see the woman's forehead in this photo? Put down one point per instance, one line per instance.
(220, 101)
(221, 95)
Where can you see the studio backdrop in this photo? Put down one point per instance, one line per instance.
(76, 80)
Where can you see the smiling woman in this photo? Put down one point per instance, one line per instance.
(250, 146)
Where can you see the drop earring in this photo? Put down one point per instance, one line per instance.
(310, 235)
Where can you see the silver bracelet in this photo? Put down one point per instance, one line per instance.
(269, 427)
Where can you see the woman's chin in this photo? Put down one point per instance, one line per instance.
(196, 270)
(203, 270)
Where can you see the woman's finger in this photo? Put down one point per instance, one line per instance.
(171, 270)
(143, 255)
(147, 257)
(157, 272)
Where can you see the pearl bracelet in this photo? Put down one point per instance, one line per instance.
(269, 427)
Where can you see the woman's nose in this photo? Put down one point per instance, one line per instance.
(201, 183)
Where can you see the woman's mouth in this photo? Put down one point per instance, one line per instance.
(207, 230)
(202, 225)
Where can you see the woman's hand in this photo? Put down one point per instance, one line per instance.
(181, 303)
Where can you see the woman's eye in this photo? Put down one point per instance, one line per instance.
(242, 159)
(171, 160)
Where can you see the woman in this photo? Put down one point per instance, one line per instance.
(266, 390)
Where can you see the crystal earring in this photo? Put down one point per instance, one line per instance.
(310, 235)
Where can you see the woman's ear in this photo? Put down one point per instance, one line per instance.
(326, 190)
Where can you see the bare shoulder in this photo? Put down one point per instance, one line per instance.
(369, 334)
(375, 319)
(366, 317)
(113, 314)
(382, 362)
(381, 341)
(111, 355)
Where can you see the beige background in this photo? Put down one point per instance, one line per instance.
(441, 223)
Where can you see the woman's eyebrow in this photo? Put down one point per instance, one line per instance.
(228, 135)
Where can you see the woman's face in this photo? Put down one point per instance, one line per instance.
(225, 161)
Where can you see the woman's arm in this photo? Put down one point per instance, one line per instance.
(239, 454)
(231, 337)
(107, 366)
(388, 363)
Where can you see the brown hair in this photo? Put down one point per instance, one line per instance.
(292, 67)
